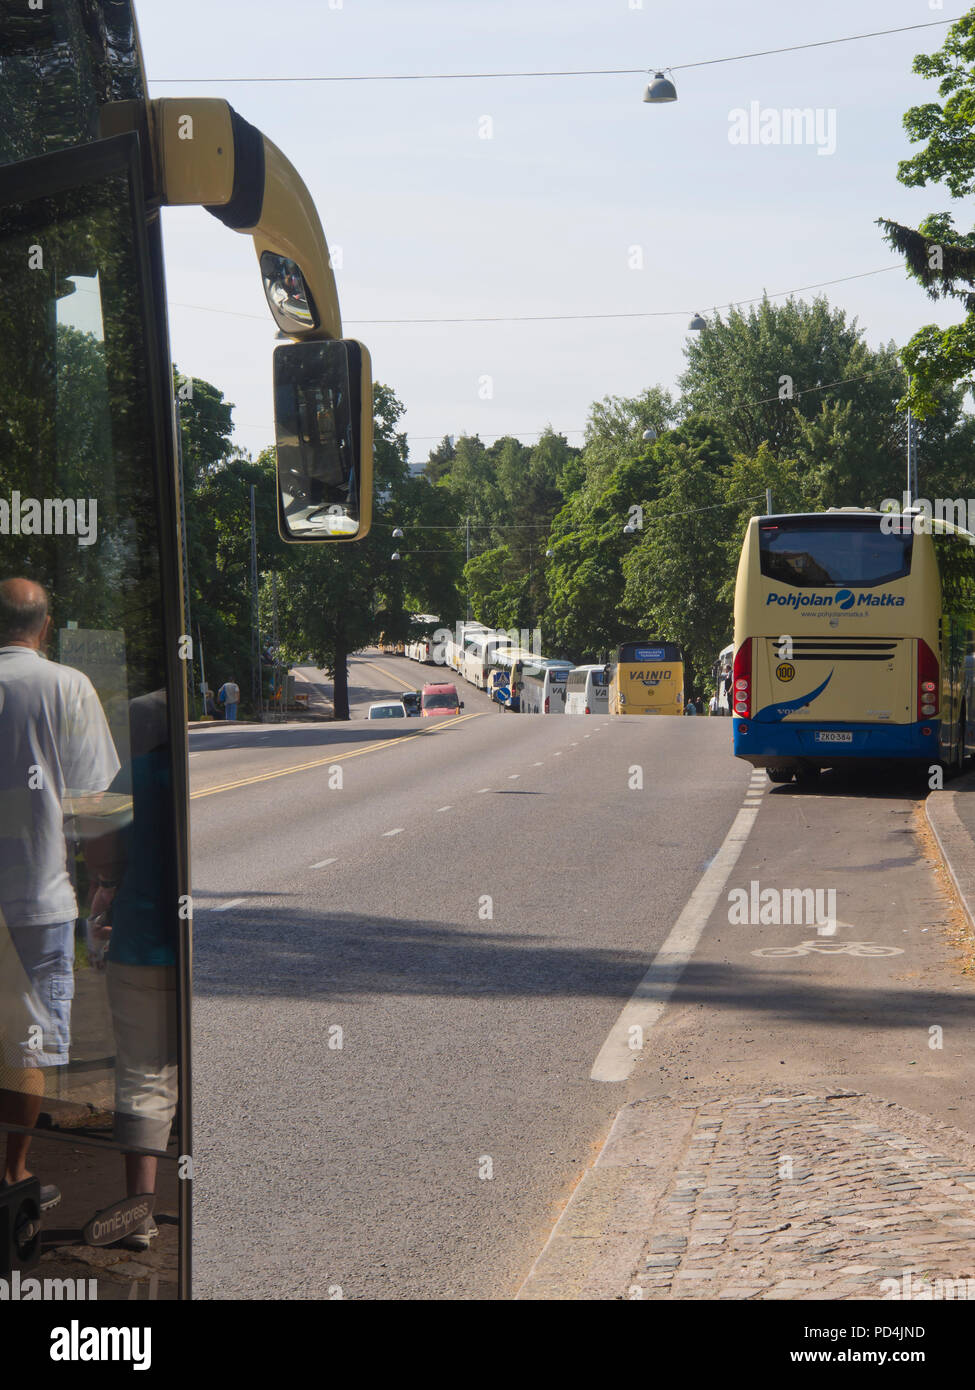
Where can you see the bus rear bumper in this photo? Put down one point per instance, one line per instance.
(770, 745)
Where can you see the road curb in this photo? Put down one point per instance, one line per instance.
(955, 844)
(597, 1241)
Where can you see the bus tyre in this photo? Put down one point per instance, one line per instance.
(779, 774)
(808, 773)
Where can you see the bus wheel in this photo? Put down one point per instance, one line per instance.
(780, 774)
(808, 773)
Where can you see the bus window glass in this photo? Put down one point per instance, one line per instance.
(805, 555)
(88, 1026)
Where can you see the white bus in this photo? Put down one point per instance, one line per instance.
(480, 652)
(543, 686)
(454, 649)
(420, 647)
(587, 690)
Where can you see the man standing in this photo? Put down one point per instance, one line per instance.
(229, 697)
(54, 742)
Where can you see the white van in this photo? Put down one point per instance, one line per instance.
(587, 690)
(543, 686)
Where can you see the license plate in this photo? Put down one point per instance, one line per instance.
(833, 736)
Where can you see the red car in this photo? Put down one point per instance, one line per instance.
(437, 700)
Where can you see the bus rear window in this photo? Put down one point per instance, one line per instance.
(810, 554)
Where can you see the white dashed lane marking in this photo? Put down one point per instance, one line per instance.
(322, 863)
(398, 831)
(234, 902)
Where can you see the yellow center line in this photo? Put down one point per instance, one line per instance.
(388, 674)
(335, 758)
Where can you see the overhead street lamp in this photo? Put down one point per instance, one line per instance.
(659, 90)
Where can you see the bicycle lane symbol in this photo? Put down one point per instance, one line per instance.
(829, 948)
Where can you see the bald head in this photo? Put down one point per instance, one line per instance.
(23, 613)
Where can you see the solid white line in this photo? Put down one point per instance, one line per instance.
(616, 1058)
(234, 902)
(321, 863)
(397, 831)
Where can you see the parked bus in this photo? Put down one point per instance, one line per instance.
(86, 163)
(480, 652)
(420, 646)
(854, 633)
(455, 648)
(543, 686)
(647, 678)
(587, 690)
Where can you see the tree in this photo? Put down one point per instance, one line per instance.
(762, 375)
(675, 571)
(939, 257)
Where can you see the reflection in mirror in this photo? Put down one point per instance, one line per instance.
(317, 410)
(287, 294)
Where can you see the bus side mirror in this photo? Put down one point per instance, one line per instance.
(323, 428)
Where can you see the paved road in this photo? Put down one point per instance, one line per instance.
(467, 1037)
(473, 905)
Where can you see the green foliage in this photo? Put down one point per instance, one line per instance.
(938, 256)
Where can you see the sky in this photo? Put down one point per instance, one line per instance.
(544, 196)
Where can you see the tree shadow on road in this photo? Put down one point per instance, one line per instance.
(293, 953)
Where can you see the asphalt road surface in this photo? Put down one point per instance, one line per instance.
(412, 946)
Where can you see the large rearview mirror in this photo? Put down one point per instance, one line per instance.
(323, 423)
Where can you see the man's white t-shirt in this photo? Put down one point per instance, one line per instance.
(230, 692)
(54, 741)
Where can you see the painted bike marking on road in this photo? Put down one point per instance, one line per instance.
(323, 863)
(616, 1058)
(825, 948)
(439, 726)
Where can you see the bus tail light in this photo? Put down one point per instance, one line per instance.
(588, 710)
(547, 704)
(741, 681)
(927, 681)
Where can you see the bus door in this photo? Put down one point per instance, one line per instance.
(94, 922)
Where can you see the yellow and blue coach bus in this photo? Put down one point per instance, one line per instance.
(854, 639)
(647, 678)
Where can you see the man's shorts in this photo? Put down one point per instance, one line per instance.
(44, 1027)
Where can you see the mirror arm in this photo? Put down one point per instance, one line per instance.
(207, 155)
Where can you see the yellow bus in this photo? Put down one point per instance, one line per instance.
(647, 678)
(854, 639)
